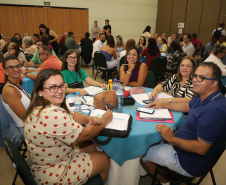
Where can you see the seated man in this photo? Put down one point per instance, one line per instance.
(70, 42)
(188, 48)
(209, 47)
(35, 61)
(189, 150)
(196, 42)
(49, 61)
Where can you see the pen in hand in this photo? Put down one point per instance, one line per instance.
(105, 106)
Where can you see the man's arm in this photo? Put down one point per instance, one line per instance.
(193, 146)
(31, 76)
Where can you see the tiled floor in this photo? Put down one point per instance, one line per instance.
(7, 170)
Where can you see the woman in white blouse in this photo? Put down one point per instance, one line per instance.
(216, 56)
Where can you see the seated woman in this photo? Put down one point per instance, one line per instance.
(17, 35)
(54, 136)
(162, 45)
(150, 52)
(130, 43)
(133, 72)
(72, 73)
(180, 84)
(30, 48)
(216, 56)
(14, 98)
(141, 44)
(13, 49)
(120, 45)
(172, 59)
(110, 54)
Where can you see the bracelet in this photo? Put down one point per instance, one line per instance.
(129, 72)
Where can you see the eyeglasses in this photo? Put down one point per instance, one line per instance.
(132, 54)
(11, 48)
(11, 68)
(41, 54)
(187, 66)
(38, 44)
(200, 78)
(74, 58)
(54, 88)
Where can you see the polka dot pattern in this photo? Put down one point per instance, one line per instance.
(51, 154)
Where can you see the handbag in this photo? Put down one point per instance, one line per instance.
(76, 84)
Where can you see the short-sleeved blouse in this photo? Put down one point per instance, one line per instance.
(53, 154)
(186, 91)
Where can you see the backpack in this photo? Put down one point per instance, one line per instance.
(217, 33)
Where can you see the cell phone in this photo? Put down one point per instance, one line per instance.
(148, 101)
(146, 110)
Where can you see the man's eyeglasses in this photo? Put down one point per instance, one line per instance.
(200, 78)
(11, 68)
(74, 58)
(54, 88)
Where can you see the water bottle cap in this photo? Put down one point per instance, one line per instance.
(77, 93)
(115, 80)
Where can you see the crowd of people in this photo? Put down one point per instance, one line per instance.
(46, 123)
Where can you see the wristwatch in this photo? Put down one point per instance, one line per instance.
(170, 100)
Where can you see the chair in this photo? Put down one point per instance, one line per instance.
(122, 61)
(158, 66)
(175, 177)
(169, 50)
(101, 65)
(151, 79)
(86, 53)
(62, 50)
(19, 163)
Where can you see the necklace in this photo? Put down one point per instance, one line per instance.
(26, 94)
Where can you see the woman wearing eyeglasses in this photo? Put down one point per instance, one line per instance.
(14, 98)
(55, 136)
(179, 84)
(133, 72)
(74, 75)
(13, 49)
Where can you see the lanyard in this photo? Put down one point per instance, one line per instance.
(73, 76)
(26, 94)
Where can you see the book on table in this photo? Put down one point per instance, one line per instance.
(159, 114)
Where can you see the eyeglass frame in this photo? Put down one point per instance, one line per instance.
(58, 87)
(193, 75)
(11, 68)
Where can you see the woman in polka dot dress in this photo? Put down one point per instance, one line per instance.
(53, 135)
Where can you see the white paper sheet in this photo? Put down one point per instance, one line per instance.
(164, 95)
(93, 90)
(140, 97)
(119, 122)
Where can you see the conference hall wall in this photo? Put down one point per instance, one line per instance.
(127, 18)
(199, 16)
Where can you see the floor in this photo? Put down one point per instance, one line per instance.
(7, 171)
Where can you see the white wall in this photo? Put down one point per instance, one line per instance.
(127, 17)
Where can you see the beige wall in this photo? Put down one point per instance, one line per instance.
(127, 18)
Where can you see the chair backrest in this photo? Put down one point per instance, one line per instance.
(170, 50)
(122, 60)
(99, 60)
(151, 79)
(19, 163)
(62, 49)
(158, 65)
(86, 53)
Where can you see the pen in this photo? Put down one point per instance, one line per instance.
(105, 106)
(130, 107)
(84, 99)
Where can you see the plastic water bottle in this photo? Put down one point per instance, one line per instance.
(78, 102)
(119, 94)
(115, 84)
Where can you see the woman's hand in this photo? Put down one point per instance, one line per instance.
(154, 105)
(153, 95)
(103, 86)
(131, 67)
(107, 117)
(82, 92)
(95, 120)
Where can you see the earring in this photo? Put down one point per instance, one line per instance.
(40, 95)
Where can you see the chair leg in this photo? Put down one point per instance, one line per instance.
(14, 180)
(213, 179)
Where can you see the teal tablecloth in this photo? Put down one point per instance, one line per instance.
(28, 84)
(142, 135)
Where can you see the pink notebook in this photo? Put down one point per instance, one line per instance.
(162, 121)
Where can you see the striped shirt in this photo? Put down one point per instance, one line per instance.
(186, 91)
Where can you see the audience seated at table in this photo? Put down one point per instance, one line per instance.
(173, 36)
(73, 73)
(14, 98)
(180, 84)
(156, 36)
(151, 51)
(209, 47)
(196, 42)
(172, 59)
(188, 47)
(120, 45)
(133, 73)
(216, 56)
(53, 37)
(13, 49)
(164, 37)
(147, 33)
(99, 44)
(130, 43)
(70, 42)
(30, 48)
(59, 147)
(190, 149)
(49, 61)
(86, 40)
(62, 40)
(162, 45)
(141, 44)
(35, 38)
(17, 35)
(2, 42)
(109, 51)
(35, 62)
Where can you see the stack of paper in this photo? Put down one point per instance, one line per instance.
(93, 90)
(159, 114)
